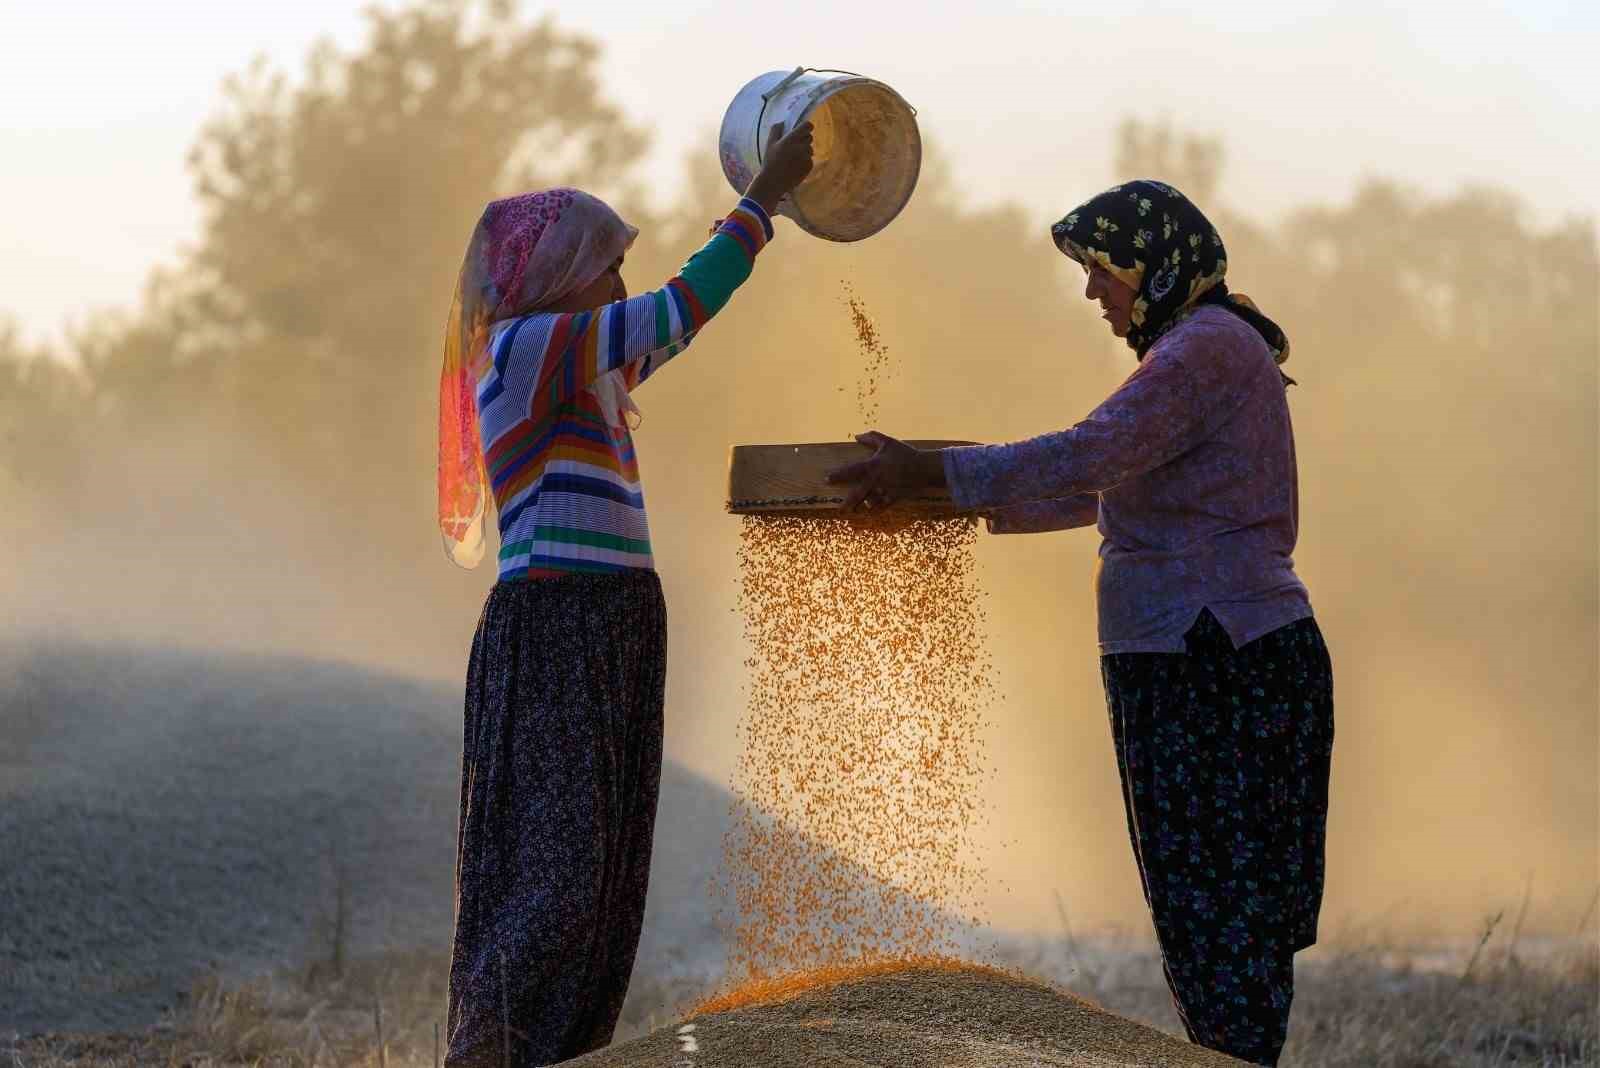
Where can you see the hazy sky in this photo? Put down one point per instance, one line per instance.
(99, 101)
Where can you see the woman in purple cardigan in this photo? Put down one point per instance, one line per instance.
(1219, 686)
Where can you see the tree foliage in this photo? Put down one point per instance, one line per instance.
(336, 210)
(252, 446)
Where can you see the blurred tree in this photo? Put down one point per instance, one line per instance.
(258, 434)
(42, 401)
(1465, 337)
(1156, 150)
(336, 211)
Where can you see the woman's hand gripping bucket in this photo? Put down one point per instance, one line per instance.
(867, 148)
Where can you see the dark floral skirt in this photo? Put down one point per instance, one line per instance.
(1224, 756)
(560, 771)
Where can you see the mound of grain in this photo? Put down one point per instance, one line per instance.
(899, 1017)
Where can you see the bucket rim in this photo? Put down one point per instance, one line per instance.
(792, 207)
(745, 154)
(813, 93)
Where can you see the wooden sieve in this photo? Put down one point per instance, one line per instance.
(792, 480)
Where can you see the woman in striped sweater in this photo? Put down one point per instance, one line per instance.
(565, 686)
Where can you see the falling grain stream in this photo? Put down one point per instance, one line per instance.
(857, 792)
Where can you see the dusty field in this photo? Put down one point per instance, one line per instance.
(166, 815)
(174, 828)
(1356, 1007)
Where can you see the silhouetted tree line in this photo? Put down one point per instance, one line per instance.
(262, 423)
(300, 334)
(304, 324)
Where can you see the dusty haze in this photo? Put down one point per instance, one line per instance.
(245, 458)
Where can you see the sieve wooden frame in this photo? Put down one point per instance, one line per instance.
(792, 480)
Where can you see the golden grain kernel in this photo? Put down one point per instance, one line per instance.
(854, 812)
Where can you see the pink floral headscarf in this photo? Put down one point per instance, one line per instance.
(526, 252)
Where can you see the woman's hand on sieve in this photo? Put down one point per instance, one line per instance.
(787, 163)
(892, 472)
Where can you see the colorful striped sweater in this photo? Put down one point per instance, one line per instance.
(565, 484)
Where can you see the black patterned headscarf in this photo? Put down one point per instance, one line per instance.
(1153, 239)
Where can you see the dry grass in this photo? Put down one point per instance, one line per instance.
(1360, 1001)
(1356, 1010)
(299, 1018)
(1376, 1000)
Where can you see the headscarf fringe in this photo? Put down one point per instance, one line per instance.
(1153, 239)
(526, 252)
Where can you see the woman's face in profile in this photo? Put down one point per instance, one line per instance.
(1114, 296)
(607, 289)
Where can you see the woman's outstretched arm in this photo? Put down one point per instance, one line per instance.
(1187, 386)
(549, 357)
(1181, 392)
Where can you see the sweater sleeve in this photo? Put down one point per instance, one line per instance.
(1176, 397)
(551, 357)
(1036, 517)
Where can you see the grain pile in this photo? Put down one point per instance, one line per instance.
(792, 984)
(857, 792)
(909, 1015)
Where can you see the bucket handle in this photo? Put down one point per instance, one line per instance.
(766, 98)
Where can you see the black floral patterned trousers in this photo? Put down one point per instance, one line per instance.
(1224, 756)
(560, 772)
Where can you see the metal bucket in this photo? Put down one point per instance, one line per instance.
(867, 151)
